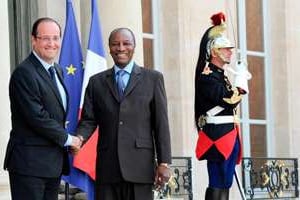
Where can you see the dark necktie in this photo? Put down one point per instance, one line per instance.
(120, 83)
(52, 72)
(52, 75)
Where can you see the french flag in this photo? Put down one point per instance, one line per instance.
(71, 63)
(85, 160)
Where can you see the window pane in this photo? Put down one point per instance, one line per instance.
(258, 141)
(254, 19)
(257, 107)
(258, 144)
(148, 53)
(147, 16)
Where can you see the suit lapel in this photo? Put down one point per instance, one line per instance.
(135, 77)
(133, 80)
(111, 82)
(44, 74)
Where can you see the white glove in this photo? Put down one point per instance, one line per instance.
(242, 75)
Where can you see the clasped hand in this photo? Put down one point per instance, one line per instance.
(76, 144)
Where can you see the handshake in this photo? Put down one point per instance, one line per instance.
(76, 144)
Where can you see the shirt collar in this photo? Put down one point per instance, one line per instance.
(214, 68)
(128, 68)
(44, 63)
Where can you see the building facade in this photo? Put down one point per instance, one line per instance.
(168, 34)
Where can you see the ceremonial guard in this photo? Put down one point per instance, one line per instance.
(216, 101)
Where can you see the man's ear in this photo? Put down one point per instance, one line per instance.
(214, 52)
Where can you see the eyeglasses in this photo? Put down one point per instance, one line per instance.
(49, 38)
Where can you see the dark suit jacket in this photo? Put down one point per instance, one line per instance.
(36, 144)
(133, 132)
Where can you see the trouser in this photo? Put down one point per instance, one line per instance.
(25, 187)
(221, 173)
(124, 191)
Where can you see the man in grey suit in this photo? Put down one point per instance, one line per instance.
(129, 105)
(36, 155)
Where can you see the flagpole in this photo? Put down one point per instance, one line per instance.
(67, 191)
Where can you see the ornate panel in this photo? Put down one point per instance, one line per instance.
(270, 178)
(180, 185)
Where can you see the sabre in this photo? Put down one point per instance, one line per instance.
(239, 185)
(238, 56)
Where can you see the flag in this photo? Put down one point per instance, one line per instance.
(71, 62)
(95, 62)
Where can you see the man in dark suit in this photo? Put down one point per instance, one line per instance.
(129, 104)
(36, 153)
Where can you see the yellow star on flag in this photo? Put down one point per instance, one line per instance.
(71, 69)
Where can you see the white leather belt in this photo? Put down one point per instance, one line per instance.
(210, 117)
(214, 111)
(221, 119)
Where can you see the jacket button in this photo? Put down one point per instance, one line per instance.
(121, 122)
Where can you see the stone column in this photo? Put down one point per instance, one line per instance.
(4, 99)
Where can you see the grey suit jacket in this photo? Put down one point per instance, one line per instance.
(36, 144)
(134, 132)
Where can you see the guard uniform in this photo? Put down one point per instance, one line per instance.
(218, 139)
(216, 101)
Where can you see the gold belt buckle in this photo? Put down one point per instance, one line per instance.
(201, 121)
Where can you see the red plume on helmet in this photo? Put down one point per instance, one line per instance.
(219, 26)
(213, 32)
(218, 19)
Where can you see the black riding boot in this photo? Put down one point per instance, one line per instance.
(224, 194)
(212, 194)
(216, 194)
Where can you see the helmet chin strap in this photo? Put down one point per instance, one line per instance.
(222, 56)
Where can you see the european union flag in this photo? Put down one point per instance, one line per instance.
(71, 63)
(95, 63)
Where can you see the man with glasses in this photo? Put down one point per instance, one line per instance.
(36, 155)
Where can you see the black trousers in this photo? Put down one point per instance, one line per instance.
(124, 191)
(25, 187)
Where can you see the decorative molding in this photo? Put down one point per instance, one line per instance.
(270, 178)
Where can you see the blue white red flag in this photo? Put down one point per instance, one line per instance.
(71, 62)
(95, 63)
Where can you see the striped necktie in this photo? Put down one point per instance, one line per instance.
(120, 83)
